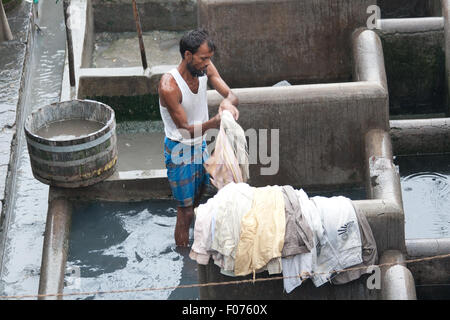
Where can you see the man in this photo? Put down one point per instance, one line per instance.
(184, 111)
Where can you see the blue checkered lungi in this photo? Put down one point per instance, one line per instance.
(185, 170)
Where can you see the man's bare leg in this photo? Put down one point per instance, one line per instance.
(185, 215)
(184, 220)
(199, 195)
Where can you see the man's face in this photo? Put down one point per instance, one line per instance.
(199, 61)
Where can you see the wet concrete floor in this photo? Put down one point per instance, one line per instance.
(26, 215)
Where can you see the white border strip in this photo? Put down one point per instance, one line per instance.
(78, 147)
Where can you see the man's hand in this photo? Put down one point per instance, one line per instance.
(227, 105)
(216, 120)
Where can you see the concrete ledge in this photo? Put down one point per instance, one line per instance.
(121, 187)
(273, 290)
(120, 81)
(420, 136)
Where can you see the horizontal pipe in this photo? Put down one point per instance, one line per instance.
(309, 93)
(411, 25)
(420, 136)
(433, 271)
(427, 247)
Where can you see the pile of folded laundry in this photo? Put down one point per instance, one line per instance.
(278, 229)
(247, 230)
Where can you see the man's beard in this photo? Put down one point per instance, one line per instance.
(194, 72)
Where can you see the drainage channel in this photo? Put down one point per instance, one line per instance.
(27, 208)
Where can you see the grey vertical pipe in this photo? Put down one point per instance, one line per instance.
(382, 178)
(446, 13)
(54, 255)
(369, 57)
(5, 31)
(397, 282)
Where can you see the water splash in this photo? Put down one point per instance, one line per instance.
(426, 200)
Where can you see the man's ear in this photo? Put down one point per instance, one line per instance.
(188, 55)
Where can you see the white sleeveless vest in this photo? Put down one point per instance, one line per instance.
(195, 106)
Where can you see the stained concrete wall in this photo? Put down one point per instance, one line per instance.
(409, 8)
(446, 15)
(117, 15)
(263, 42)
(321, 129)
(415, 64)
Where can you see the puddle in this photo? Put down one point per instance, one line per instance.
(425, 182)
(119, 246)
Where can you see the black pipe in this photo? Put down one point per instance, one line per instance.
(139, 31)
(66, 4)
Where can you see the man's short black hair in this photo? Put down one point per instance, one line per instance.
(192, 40)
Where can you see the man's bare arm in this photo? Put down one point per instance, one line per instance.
(230, 100)
(170, 96)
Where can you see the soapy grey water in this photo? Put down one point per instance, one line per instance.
(68, 129)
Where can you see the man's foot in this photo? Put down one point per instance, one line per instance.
(184, 220)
